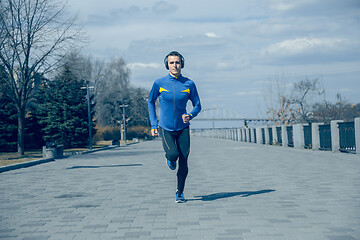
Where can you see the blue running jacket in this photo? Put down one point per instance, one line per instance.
(173, 94)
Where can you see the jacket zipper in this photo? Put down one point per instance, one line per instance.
(174, 104)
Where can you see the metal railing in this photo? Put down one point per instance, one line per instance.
(337, 136)
(289, 130)
(278, 133)
(347, 137)
(270, 136)
(325, 137)
(307, 137)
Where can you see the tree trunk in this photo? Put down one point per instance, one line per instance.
(21, 131)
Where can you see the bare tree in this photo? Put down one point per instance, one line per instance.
(284, 114)
(279, 104)
(112, 88)
(305, 94)
(342, 109)
(34, 36)
(295, 104)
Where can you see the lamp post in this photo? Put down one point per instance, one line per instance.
(123, 106)
(89, 111)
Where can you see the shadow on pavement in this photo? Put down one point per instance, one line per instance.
(215, 196)
(105, 166)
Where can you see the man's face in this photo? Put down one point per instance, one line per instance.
(174, 64)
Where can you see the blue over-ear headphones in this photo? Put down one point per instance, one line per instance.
(174, 53)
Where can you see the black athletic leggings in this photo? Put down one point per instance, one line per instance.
(177, 146)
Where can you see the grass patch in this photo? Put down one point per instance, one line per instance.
(10, 158)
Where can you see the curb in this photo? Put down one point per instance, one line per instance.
(25, 164)
(45, 160)
(100, 149)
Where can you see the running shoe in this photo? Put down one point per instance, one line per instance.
(180, 197)
(172, 165)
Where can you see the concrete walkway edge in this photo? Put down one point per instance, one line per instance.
(45, 160)
(25, 164)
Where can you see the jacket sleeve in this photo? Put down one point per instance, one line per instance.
(195, 99)
(154, 93)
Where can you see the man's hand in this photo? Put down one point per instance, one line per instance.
(186, 118)
(154, 132)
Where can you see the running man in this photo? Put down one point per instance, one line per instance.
(173, 92)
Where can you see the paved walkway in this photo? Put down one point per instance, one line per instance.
(235, 190)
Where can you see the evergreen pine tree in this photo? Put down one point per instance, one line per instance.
(63, 110)
(137, 111)
(8, 126)
(8, 117)
(33, 135)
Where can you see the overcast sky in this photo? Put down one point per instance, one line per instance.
(233, 49)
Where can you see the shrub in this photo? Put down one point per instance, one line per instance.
(113, 133)
(107, 133)
(139, 132)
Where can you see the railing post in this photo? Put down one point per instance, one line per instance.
(357, 134)
(248, 136)
(298, 135)
(315, 135)
(251, 134)
(258, 135)
(335, 138)
(275, 136)
(284, 136)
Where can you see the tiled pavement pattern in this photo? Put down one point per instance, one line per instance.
(235, 191)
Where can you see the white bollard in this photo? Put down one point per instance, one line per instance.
(298, 135)
(357, 134)
(284, 136)
(335, 136)
(315, 135)
(258, 135)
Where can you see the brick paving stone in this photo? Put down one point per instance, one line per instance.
(235, 190)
